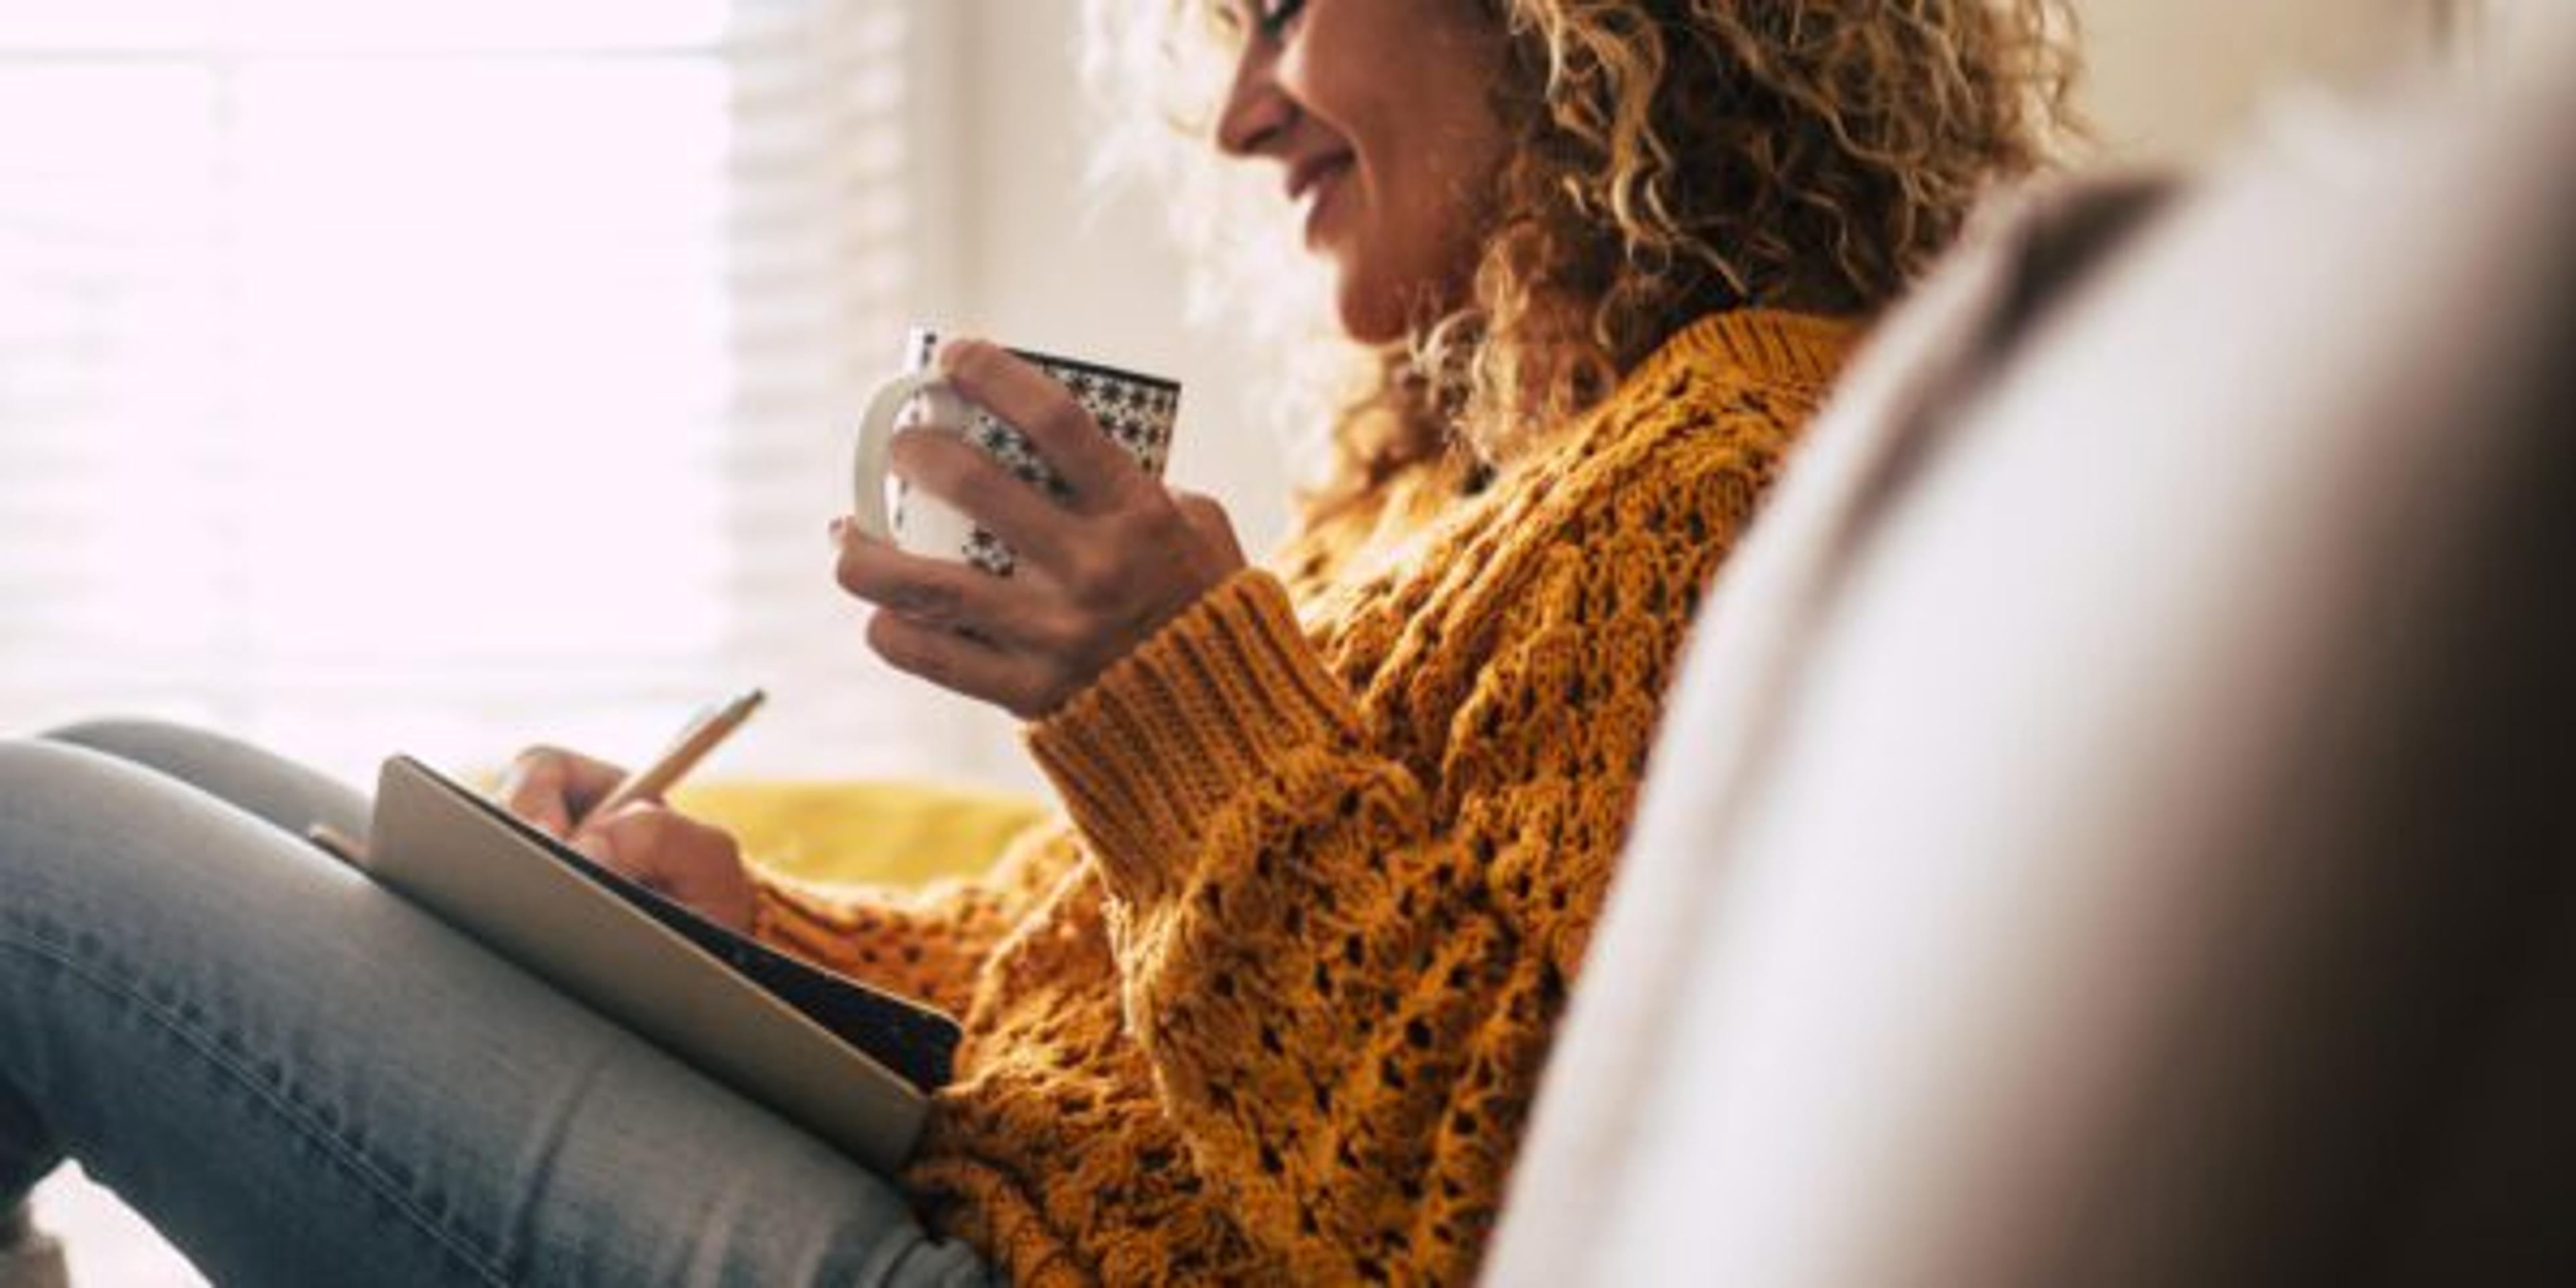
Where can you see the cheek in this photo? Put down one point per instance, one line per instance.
(1436, 195)
(1422, 221)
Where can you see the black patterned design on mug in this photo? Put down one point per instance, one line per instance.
(1136, 414)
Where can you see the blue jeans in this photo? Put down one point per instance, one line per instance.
(301, 1079)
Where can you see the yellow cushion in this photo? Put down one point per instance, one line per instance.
(882, 833)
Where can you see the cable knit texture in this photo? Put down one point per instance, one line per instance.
(1271, 1004)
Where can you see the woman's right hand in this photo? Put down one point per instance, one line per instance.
(646, 842)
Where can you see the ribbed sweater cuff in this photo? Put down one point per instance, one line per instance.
(1202, 713)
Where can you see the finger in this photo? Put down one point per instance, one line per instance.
(693, 863)
(534, 787)
(941, 594)
(1017, 682)
(955, 471)
(642, 842)
(1211, 521)
(589, 781)
(1096, 470)
(551, 787)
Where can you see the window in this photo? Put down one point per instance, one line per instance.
(432, 377)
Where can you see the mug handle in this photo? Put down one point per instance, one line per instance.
(876, 449)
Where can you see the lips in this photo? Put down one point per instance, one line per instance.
(1307, 175)
(1313, 182)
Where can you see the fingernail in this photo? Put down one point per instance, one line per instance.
(944, 363)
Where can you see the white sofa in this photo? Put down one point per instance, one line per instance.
(2115, 826)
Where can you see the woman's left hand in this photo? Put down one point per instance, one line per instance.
(1097, 574)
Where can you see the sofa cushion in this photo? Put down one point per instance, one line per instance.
(877, 833)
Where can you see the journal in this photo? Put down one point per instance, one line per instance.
(853, 1065)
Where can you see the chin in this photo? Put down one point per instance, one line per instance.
(1383, 293)
(1372, 328)
(1372, 312)
(1368, 317)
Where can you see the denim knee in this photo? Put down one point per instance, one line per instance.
(49, 769)
(125, 737)
(65, 803)
(35, 780)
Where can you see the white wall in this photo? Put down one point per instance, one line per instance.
(2173, 78)
(1043, 260)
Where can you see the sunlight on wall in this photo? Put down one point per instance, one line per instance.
(2174, 79)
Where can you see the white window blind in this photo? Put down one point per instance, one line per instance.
(435, 377)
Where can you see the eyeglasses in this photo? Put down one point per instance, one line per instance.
(1268, 19)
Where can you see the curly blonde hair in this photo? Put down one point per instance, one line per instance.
(1668, 159)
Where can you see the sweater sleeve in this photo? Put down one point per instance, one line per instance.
(1344, 960)
(928, 944)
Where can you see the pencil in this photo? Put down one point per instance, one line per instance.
(701, 735)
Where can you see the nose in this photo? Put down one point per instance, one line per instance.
(1258, 110)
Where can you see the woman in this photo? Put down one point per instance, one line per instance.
(1270, 1002)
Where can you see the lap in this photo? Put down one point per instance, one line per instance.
(303, 1079)
(252, 779)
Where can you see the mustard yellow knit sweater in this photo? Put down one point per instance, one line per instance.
(1269, 1004)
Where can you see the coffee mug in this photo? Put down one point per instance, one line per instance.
(1136, 411)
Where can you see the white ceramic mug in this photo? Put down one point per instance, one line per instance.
(1136, 411)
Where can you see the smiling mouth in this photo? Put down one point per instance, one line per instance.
(1309, 175)
(1311, 184)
